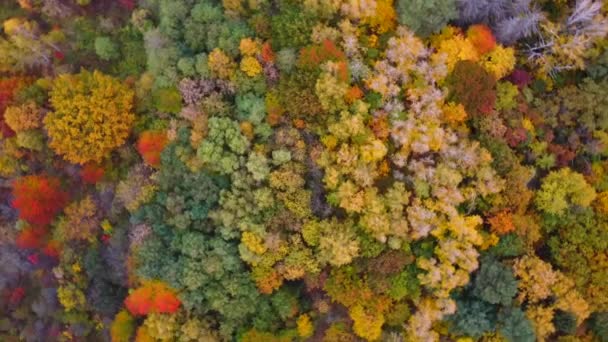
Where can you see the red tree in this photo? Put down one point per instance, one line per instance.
(38, 198)
(31, 237)
(472, 86)
(154, 296)
(91, 173)
(150, 145)
(482, 38)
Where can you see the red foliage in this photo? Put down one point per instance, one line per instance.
(38, 198)
(502, 223)
(563, 155)
(58, 55)
(516, 136)
(315, 55)
(31, 237)
(51, 249)
(520, 78)
(16, 295)
(34, 258)
(482, 38)
(91, 173)
(8, 88)
(152, 297)
(128, 4)
(267, 53)
(473, 87)
(150, 145)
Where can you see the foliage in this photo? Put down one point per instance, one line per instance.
(102, 125)
(562, 189)
(38, 198)
(122, 327)
(152, 297)
(495, 283)
(472, 86)
(324, 170)
(80, 221)
(426, 17)
(150, 145)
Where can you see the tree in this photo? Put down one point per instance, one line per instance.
(426, 17)
(92, 116)
(38, 198)
(495, 283)
(150, 145)
(471, 85)
(152, 297)
(563, 189)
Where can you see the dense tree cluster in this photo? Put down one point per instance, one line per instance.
(315, 170)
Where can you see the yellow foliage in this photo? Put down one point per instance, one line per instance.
(454, 113)
(305, 327)
(80, 222)
(11, 25)
(251, 66)
(143, 335)
(384, 19)
(122, 327)
(92, 116)
(457, 48)
(374, 151)
(601, 202)
(24, 117)
(499, 62)
(253, 242)
(366, 326)
(70, 297)
(249, 47)
(541, 319)
(220, 64)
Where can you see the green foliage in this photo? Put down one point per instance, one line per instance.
(168, 100)
(473, 318)
(565, 322)
(514, 326)
(576, 242)
(106, 49)
(599, 325)
(425, 17)
(224, 146)
(405, 284)
(495, 282)
(291, 27)
(563, 189)
(510, 245)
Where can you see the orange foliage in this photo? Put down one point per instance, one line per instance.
(153, 296)
(247, 129)
(315, 55)
(482, 38)
(150, 145)
(51, 249)
(31, 237)
(38, 198)
(91, 173)
(502, 223)
(8, 88)
(380, 126)
(267, 53)
(299, 123)
(269, 282)
(353, 94)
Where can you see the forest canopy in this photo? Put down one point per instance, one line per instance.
(304, 170)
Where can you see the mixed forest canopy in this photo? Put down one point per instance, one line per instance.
(304, 170)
